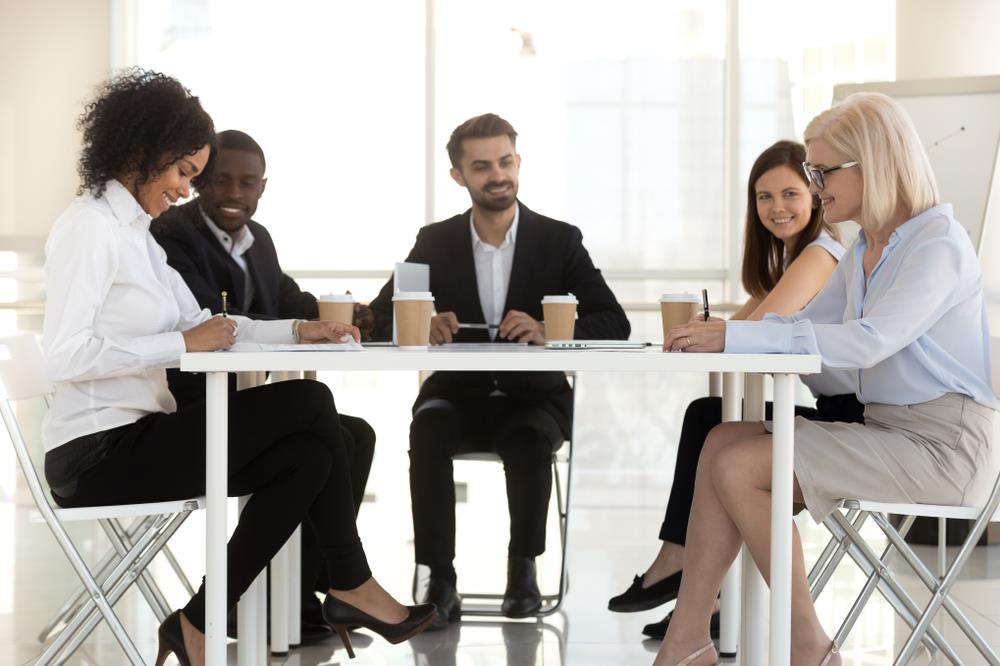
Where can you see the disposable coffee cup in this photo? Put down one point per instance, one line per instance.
(412, 311)
(337, 307)
(560, 316)
(677, 309)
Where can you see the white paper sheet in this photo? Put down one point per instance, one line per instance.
(324, 347)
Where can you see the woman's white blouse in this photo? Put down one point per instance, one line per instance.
(114, 312)
(915, 331)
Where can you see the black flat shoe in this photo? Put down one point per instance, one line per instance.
(521, 598)
(443, 594)
(340, 615)
(658, 630)
(636, 598)
(172, 640)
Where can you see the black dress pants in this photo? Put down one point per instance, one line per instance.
(704, 414)
(285, 450)
(359, 443)
(524, 436)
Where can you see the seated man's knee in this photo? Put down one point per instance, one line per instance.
(433, 433)
(525, 445)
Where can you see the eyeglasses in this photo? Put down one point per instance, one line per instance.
(815, 174)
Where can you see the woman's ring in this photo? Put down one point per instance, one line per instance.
(688, 342)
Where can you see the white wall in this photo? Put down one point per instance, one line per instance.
(52, 54)
(947, 38)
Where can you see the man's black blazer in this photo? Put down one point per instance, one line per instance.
(208, 269)
(194, 252)
(549, 258)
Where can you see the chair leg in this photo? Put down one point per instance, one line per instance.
(880, 577)
(831, 556)
(179, 570)
(79, 597)
(118, 582)
(100, 604)
(150, 590)
(939, 596)
(562, 506)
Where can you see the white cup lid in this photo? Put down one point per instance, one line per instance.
(413, 296)
(563, 298)
(337, 298)
(680, 298)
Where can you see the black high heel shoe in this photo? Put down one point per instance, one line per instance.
(340, 615)
(172, 640)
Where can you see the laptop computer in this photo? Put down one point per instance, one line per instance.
(596, 344)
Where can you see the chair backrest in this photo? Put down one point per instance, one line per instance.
(22, 369)
(22, 376)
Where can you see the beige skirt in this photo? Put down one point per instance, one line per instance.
(935, 452)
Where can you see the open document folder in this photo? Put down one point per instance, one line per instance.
(350, 345)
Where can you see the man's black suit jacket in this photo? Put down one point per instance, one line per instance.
(194, 252)
(549, 258)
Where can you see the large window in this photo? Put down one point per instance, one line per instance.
(620, 108)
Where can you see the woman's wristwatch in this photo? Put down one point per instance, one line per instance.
(295, 329)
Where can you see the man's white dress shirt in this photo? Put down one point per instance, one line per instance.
(493, 266)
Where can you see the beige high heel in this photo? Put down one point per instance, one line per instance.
(697, 653)
(834, 651)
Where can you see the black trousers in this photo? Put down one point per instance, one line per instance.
(704, 414)
(285, 449)
(524, 437)
(359, 443)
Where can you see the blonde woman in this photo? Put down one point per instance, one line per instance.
(905, 310)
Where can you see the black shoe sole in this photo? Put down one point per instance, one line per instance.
(657, 630)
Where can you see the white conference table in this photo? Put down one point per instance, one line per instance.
(499, 357)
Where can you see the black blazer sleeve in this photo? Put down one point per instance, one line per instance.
(599, 315)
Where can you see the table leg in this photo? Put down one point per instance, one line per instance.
(251, 651)
(216, 465)
(753, 613)
(295, 587)
(729, 605)
(781, 519)
(279, 602)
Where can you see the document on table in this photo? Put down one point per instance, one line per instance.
(350, 346)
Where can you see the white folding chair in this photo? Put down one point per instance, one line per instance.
(23, 378)
(848, 540)
(487, 604)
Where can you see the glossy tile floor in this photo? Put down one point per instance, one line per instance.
(617, 502)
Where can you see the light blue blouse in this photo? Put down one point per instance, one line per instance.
(915, 331)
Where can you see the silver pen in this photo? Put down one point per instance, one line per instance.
(483, 327)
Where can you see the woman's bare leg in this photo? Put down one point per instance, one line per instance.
(713, 541)
(742, 478)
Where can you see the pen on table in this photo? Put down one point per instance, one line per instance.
(485, 327)
(224, 295)
(704, 301)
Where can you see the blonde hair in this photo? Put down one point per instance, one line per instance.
(873, 130)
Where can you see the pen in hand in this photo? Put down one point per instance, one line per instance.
(224, 295)
(704, 301)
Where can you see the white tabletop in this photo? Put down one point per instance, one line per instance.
(499, 357)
